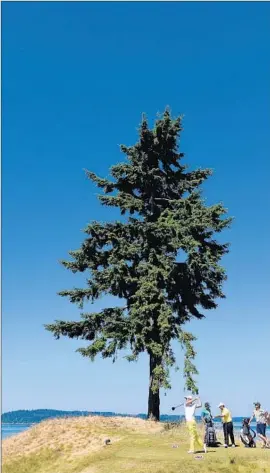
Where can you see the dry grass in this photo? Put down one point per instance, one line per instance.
(137, 446)
(75, 436)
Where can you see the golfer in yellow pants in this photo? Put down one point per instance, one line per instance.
(195, 441)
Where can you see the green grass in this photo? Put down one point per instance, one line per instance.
(140, 452)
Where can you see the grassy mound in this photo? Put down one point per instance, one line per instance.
(77, 445)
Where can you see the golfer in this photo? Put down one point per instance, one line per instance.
(196, 443)
(227, 422)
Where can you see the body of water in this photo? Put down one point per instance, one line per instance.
(13, 429)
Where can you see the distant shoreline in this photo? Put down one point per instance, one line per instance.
(20, 423)
(35, 416)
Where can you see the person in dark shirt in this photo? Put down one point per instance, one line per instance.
(210, 438)
(206, 414)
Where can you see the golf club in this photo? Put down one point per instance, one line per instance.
(180, 405)
(176, 407)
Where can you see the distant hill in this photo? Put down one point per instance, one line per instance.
(35, 416)
(38, 415)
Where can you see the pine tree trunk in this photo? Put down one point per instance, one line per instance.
(153, 398)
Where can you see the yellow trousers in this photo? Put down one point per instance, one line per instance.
(195, 440)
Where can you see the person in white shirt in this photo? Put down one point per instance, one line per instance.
(261, 419)
(191, 405)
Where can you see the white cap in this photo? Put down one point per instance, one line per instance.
(221, 404)
(188, 397)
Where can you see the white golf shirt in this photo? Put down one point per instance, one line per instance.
(190, 412)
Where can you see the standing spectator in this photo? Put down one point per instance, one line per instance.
(227, 422)
(210, 439)
(206, 413)
(261, 419)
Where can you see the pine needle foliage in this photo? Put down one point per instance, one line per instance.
(138, 259)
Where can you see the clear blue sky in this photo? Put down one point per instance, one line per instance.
(76, 78)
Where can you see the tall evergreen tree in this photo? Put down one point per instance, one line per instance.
(162, 260)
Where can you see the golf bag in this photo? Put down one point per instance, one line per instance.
(210, 438)
(247, 435)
